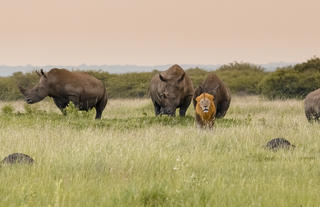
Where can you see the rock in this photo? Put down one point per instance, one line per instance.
(279, 143)
(17, 158)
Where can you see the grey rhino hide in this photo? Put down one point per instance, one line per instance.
(84, 90)
(171, 89)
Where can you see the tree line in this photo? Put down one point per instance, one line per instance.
(242, 78)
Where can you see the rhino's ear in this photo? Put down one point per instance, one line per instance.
(181, 77)
(198, 91)
(162, 78)
(43, 74)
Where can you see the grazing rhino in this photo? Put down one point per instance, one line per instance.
(312, 105)
(214, 86)
(171, 89)
(84, 90)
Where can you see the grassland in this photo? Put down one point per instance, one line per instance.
(131, 158)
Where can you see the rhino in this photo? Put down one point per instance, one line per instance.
(83, 90)
(312, 105)
(171, 89)
(214, 86)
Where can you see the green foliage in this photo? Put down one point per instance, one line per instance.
(9, 85)
(7, 109)
(129, 85)
(153, 197)
(197, 76)
(32, 110)
(74, 113)
(241, 77)
(312, 65)
(292, 82)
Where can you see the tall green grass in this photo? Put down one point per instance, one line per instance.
(131, 158)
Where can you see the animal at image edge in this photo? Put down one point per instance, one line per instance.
(171, 89)
(205, 110)
(84, 90)
(214, 86)
(312, 105)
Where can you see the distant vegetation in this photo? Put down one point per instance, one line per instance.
(242, 78)
(292, 82)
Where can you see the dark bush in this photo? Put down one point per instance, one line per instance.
(9, 85)
(241, 77)
(292, 82)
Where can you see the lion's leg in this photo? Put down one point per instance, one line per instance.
(199, 121)
(211, 123)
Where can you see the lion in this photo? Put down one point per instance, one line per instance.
(205, 110)
(214, 86)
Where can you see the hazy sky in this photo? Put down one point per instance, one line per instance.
(148, 32)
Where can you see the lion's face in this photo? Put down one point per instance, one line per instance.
(205, 105)
(205, 102)
(205, 110)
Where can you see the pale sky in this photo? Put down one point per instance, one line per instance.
(149, 32)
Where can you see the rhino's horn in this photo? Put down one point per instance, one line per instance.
(43, 74)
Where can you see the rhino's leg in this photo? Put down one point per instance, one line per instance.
(184, 106)
(75, 99)
(316, 117)
(222, 109)
(157, 108)
(61, 103)
(312, 115)
(100, 106)
(309, 115)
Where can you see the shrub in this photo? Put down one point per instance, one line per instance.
(241, 77)
(7, 109)
(73, 112)
(31, 109)
(292, 82)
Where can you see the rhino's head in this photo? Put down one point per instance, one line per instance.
(38, 92)
(200, 90)
(170, 93)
